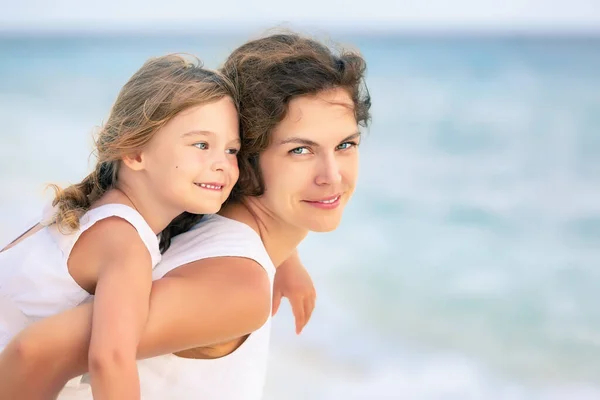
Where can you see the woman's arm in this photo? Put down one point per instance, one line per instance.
(293, 281)
(201, 303)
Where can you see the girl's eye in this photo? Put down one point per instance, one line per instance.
(299, 151)
(346, 145)
(233, 151)
(201, 145)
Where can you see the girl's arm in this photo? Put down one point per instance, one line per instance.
(122, 266)
(201, 303)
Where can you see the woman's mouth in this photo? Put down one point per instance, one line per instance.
(326, 203)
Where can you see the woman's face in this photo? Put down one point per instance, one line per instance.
(310, 167)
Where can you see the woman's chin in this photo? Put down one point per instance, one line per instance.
(323, 224)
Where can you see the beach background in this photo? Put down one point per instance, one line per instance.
(468, 263)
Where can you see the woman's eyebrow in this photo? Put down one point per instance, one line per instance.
(308, 142)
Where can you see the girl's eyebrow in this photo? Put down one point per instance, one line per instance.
(197, 133)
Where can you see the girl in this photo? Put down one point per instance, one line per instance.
(169, 147)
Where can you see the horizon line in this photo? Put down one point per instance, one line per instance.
(340, 27)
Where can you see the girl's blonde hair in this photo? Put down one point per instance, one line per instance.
(162, 88)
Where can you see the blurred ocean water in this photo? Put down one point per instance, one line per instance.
(468, 262)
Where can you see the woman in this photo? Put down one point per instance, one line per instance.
(300, 109)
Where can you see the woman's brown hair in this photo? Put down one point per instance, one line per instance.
(268, 73)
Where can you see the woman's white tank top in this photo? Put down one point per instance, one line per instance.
(240, 375)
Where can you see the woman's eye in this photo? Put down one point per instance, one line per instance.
(299, 150)
(201, 145)
(346, 145)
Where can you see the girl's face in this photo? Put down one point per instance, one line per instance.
(191, 162)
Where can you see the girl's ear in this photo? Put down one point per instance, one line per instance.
(134, 161)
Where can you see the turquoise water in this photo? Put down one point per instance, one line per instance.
(468, 262)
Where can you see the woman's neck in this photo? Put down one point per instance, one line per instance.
(279, 238)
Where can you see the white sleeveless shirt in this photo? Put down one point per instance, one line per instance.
(34, 277)
(240, 375)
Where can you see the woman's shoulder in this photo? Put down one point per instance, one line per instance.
(220, 230)
(216, 236)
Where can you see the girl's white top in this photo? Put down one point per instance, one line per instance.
(238, 376)
(34, 278)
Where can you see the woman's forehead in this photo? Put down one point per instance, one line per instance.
(316, 116)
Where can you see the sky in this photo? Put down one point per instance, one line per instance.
(577, 15)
